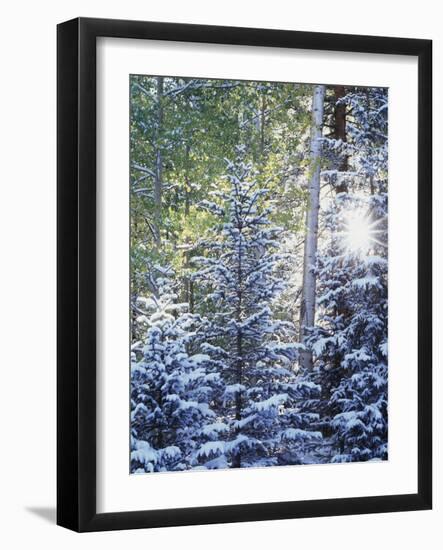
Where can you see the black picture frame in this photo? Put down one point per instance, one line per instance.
(76, 266)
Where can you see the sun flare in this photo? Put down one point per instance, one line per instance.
(360, 232)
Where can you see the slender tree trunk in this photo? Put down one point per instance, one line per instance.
(262, 128)
(340, 134)
(236, 460)
(342, 184)
(158, 183)
(307, 310)
(188, 284)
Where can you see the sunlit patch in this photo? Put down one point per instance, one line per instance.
(360, 232)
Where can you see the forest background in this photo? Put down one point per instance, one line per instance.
(304, 169)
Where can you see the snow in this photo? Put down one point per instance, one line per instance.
(384, 348)
(234, 444)
(214, 429)
(170, 390)
(233, 389)
(364, 282)
(272, 402)
(224, 388)
(218, 463)
(296, 434)
(144, 453)
(199, 358)
(172, 451)
(211, 448)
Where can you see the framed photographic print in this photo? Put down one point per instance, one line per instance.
(244, 274)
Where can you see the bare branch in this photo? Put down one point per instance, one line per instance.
(143, 169)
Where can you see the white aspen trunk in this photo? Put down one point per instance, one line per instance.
(307, 310)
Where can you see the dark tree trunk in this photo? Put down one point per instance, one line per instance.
(342, 186)
(340, 134)
(236, 461)
(262, 128)
(187, 281)
(158, 184)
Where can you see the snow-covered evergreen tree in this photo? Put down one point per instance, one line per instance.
(350, 339)
(171, 389)
(262, 424)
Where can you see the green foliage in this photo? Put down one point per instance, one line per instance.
(181, 132)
